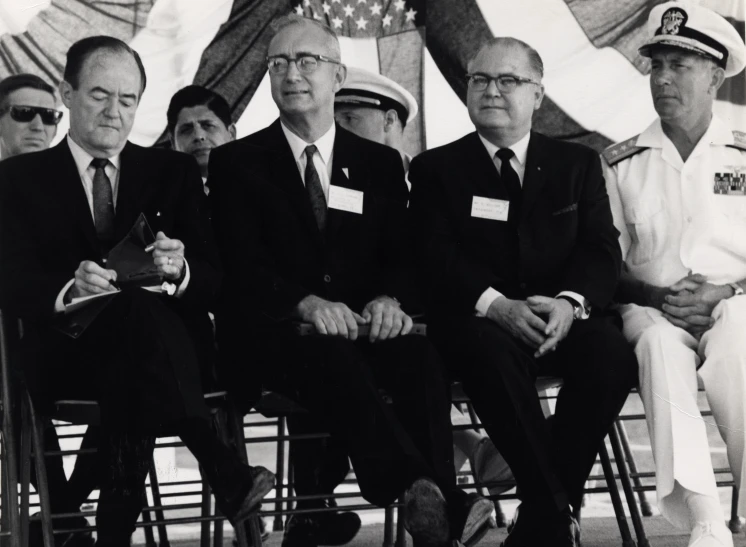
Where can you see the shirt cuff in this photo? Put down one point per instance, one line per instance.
(183, 287)
(580, 300)
(486, 300)
(59, 304)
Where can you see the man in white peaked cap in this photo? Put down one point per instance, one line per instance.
(678, 196)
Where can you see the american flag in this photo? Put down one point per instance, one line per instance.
(363, 18)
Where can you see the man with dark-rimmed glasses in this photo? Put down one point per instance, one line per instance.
(28, 117)
(520, 257)
(311, 224)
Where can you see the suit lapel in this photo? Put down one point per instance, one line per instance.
(135, 186)
(72, 196)
(286, 176)
(534, 177)
(346, 175)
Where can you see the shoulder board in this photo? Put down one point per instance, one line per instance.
(622, 150)
(739, 140)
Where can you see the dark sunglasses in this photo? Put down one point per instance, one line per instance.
(25, 114)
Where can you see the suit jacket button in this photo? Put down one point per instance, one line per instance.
(328, 278)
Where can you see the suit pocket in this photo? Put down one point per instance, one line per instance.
(648, 228)
(565, 210)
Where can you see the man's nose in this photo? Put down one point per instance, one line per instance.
(36, 124)
(292, 74)
(112, 108)
(491, 90)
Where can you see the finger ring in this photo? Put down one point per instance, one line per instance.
(170, 260)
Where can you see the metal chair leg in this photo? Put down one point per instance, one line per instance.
(37, 438)
(147, 530)
(204, 536)
(630, 457)
(388, 527)
(25, 477)
(277, 525)
(155, 491)
(500, 519)
(736, 522)
(616, 499)
(401, 533)
(629, 493)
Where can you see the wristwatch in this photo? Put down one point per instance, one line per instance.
(736, 288)
(577, 308)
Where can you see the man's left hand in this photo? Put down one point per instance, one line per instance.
(386, 318)
(168, 255)
(559, 313)
(692, 309)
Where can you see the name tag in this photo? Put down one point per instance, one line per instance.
(491, 209)
(345, 199)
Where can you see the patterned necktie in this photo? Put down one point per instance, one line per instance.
(314, 189)
(512, 183)
(103, 201)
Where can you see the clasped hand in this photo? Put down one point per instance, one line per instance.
(524, 320)
(90, 278)
(689, 302)
(383, 314)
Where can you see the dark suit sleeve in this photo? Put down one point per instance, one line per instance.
(252, 280)
(594, 266)
(192, 229)
(28, 284)
(455, 280)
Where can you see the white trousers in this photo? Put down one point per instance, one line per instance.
(670, 360)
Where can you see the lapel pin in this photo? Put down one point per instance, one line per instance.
(158, 214)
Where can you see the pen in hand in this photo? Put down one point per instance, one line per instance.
(150, 247)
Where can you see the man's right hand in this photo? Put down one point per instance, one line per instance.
(330, 318)
(515, 317)
(90, 278)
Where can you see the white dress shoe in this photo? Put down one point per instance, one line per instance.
(711, 534)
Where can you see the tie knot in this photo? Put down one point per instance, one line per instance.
(99, 163)
(310, 151)
(504, 154)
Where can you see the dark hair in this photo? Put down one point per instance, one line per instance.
(196, 95)
(82, 49)
(20, 81)
(534, 59)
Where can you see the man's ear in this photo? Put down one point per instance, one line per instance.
(340, 76)
(717, 79)
(171, 140)
(389, 120)
(539, 96)
(232, 131)
(66, 92)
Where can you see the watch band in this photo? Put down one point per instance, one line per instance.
(736, 288)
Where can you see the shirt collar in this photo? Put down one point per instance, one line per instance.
(83, 159)
(520, 148)
(717, 133)
(324, 144)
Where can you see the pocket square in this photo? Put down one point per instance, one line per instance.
(568, 209)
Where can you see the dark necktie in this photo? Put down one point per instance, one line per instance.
(511, 182)
(314, 189)
(103, 201)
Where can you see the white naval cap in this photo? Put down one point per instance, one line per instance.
(365, 88)
(687, 25)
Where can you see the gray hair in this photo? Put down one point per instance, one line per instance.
(296, 20)
(534, 59)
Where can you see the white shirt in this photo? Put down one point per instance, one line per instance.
(86, 172)
(518, 163)
(322, 159)
(670, 219)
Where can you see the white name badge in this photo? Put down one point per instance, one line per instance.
(345, 199)
(491, 209)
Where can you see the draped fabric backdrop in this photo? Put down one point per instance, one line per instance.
(596, 83)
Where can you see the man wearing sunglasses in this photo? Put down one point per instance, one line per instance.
(28, 119)
(518, 244)
(310, 221)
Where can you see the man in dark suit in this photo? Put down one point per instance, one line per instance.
(310, 221)
(61, 211)
(522, 257)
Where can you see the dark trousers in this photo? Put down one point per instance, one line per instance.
(138, 362)
(498, 374)
(342, 382)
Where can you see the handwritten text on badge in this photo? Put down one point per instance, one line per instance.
(345, 199)
(491, 209)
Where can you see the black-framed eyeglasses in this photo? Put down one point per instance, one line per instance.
(506, 83)
(24, 114)
(306, 63)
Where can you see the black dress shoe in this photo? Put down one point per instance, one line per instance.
(474, 519)
(532, 527)
(426, 514)
(312, 530)
(69, 539)
(237, 511)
